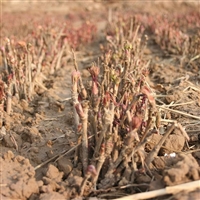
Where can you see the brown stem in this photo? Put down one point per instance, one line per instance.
(93, 119)
(56, 41)
(131, 30)
(29, 75)
(83, 184)
(100, 163)
(60, 54)
(74, 60)
(75, 77)
(124, 153)
(77, 151)
(5, 61)
(15, 87)
(105, 135)
(9, 99)
(1, 113)
(108, 120)
(54, 63)
(39, 67)
(76, 124)
(83, 91)
(151, 122)
(99, 141)
(84, 121)
(115, 152)
(24, 90)
(95, 105)
(91, 172)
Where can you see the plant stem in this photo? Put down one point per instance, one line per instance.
(74, 91)
(60, 54)
(100, 163)
(84, 121)
(108, 120)
(115, 152)
(39, 67)
(77, 151)
(93, 119)
(83, 184)
(29, 73)
(9, 98)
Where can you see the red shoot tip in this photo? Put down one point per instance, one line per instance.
(75, 76)
(94, 71)
(145, 90)
(91, 170)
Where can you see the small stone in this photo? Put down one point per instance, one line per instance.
(65, 165)
(8, 155)
(8, 140)
(53, 173)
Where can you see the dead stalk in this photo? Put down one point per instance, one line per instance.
(183, 131)
(187, 187)
(179, 104)
(179, 112)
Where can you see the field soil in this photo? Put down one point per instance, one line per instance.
(38, 141)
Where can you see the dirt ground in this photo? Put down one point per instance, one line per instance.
(38, 139)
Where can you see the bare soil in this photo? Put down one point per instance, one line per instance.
(37, 152)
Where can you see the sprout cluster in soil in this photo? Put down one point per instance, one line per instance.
(128, 134)
(116, 115)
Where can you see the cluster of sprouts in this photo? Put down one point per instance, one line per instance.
(26, 63)
(116, 112)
